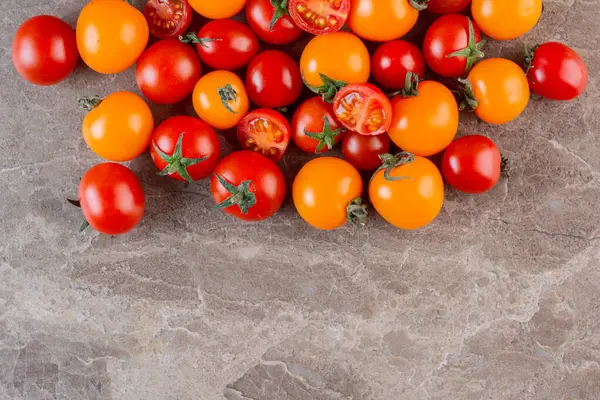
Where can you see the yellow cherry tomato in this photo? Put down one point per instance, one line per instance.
(382, 20)
(506, 19)
(217, 9)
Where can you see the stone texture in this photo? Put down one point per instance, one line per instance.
(497, 300)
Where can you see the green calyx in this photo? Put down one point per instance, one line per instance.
(357, 212)
(419, 5)
(473, 50)
(529, 55)
(328, 89)
(227, 94)
(326, 137)
(90, 102)
(176, 163)
(468, 96)
(193, 38)
(281, 10)
(85, 224)
(389, 162)
(240, 195)
(411, 86)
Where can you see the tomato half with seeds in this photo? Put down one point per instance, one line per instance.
(393, 60)
(217, 9)
(384, 20)
(167, 19)
(447, 6)
(271, 21)
(319, 16)
(363, 108)
(492, 16)
(315, 128)
(363, 151)
(265, 131)
(248, 186)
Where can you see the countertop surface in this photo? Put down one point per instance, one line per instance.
(498, 299)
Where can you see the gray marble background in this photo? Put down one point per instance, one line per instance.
(498, 299)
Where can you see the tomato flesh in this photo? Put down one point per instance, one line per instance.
(363, 108)
(320, 16)
(168, 18)
(265, 131)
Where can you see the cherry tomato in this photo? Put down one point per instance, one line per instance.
(427, 123)
(265, 131)
(392, 60)
(363, 151)
(327, 192)
(556, 71)
(111, 198)
(248, 186)
(185, 148)
(168, 19)
(492, 15)
(315, 128)
(224, 44)
(217, 9)
(273, 80)
(447, 6)
(44, 50)
(111, 35)
(271, 21)
(119, 127)
(220, 99)
(452, 45)
(472, 164)
(319, 16)
(497, 90)
(408, 191)
(383, 20)
(167, 71)
(363, 108)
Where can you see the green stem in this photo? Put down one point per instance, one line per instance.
(90, 102)
(328, 89)
(389, 162)
(193, 38)
(326, 137)
(473, 50)
(240, 195)
(176, 163)
(357, 212)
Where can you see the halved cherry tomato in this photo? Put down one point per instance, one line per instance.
(265, 131)
(384, 20)
(111, 35)
(327, 193)
(363, 108)
(363, 151)
(319, 16)
(220, 99)
(185, 148)
(408, 191)
(315, 128)
(217, 9)
(506, 20)
(168, 19)
(447, 6)
(393, 60)
(119, 127)
(271, 21)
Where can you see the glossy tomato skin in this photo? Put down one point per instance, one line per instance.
(492, 15)
(168, 71)
(393, 60)
(323, 189)
(382, 20)
(230, 45)
(447, 6)
(557, 72)
(168, 19)
(44, 50)
(265, 131)
(363, 151)
(309, 117)
(267, 184)
(199, 141)
(273, 80)
(446, 35)
(363, 108)
(120, 128)
(218, 9)
(319, 16)
(259, 14)
(472, 164)
(111, 35)
(111, 198)
(211, 101)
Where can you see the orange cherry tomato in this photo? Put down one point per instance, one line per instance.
(111, 35)
(498, 90)
(327, 192)
(506, 19)
(217, 9)
(427, 123)
(383, 20)
(220, 99)
(408, 191)
(118, 128)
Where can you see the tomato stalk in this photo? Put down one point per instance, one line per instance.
(227, 94)
(240, 195)
(357, 212)
(281, 10)
(193, 38)
(468, 96)
(529, 55)
(389, 162)
(85, 224)
(419, 5)
(328, 89)
(411, 86)
(326, 137)
(176, 163)
(473, 50)
(90, 102)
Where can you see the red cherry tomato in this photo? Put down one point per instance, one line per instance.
(44, 51)
(447, 6)
(472, 164)
(320, 16)
(248, 186)
(273, 80)
(167, 71)
(363, 108)
(185, 148)
(315, 128)
(556, 71)
(265, 131)
(111, 198)
(167, 19)
(363, 151)
(393, 60)
(271, 22)
(452, 45)
(224, 44)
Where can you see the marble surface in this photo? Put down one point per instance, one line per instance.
(498, 299)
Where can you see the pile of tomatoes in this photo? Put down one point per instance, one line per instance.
(363, 102)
